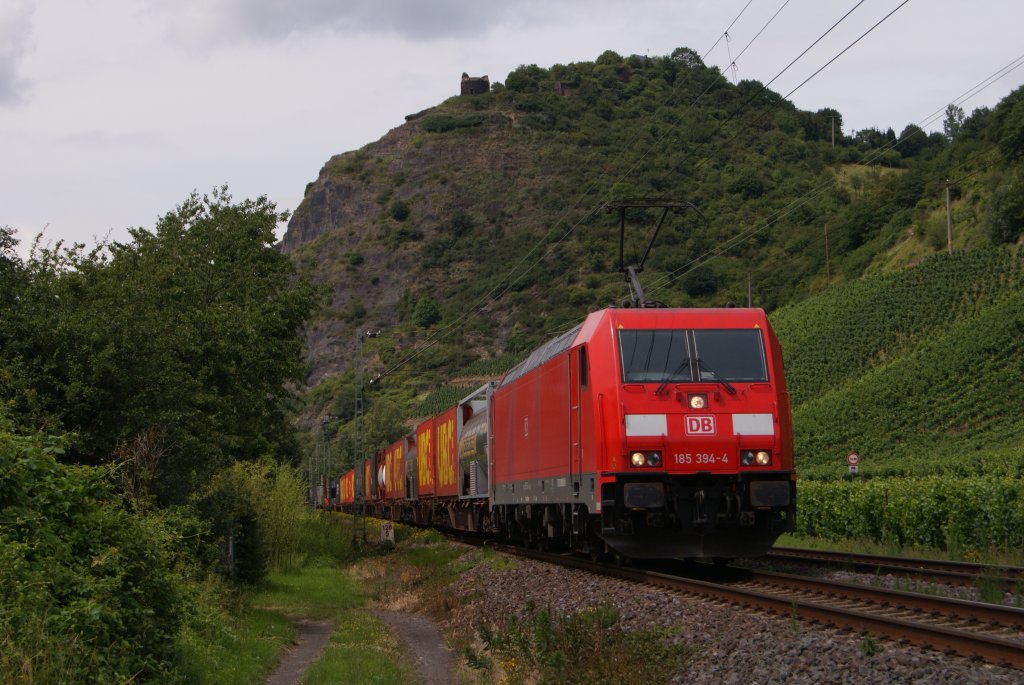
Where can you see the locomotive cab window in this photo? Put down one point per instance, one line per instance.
(731, 355)
(689, 356)
(654, 356)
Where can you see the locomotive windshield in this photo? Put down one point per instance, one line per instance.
(691, 355)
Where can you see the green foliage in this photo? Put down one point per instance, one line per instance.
(362, 650)
(89, 591)
(442, 398)
(188, 332)
(258, 511)
(1008, 126)
(399, 210)
(843, 333)
(439, 123)
(1004, 218)
(962, 514)
(460, 224)
(583, 648)
(427, 313)
(227, 644)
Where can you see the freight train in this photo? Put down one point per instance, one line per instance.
(641, 433)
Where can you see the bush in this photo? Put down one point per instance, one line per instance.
(427, 313)
(587, 647)
(399, 210)
(89, 592)
(941, 512)
(439, 123)
(256, 507)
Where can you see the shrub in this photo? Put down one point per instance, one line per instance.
(439, 123)
(586, 647)
(399, 210)
(89, 592)
(427, 313)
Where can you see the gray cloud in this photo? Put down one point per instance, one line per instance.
(409, 19)
(15, 35)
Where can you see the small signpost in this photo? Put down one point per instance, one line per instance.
(387, 532)
(853, 459)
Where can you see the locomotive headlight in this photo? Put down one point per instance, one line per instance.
(698, 401)
(758, 457)
(642, 459)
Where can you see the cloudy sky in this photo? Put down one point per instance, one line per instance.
(113, 111)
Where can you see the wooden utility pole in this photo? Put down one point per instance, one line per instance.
(833, 131)
(949, 221)
(750, 299)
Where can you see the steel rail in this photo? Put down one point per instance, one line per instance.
(993, 614)
(989, 648)
(941, 571)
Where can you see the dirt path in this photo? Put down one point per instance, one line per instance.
(310, 642)
(422, 640)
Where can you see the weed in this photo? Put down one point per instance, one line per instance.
(870, 645)
(477, 661)
(990, 585)
(583, 648)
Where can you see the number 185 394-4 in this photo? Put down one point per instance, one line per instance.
(701, 458)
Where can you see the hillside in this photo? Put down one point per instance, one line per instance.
(916, 370)
(474, 231)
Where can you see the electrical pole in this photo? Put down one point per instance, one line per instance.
(833, 131)
(750, 299)
(949, 221)
(359, 523)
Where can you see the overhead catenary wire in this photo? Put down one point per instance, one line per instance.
(491, 296)
(725, 34)
(494, 294)
(795, 204)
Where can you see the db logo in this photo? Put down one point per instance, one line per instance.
(700, 425)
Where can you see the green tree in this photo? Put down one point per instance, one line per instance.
(953, 121)
(90, 592)
(427, 313)
(189, 331)
(1004, 217)
(1008, 125)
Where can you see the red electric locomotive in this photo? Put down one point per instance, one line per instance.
(645, 432)
(650, 433)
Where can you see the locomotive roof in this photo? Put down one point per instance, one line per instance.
(729, 317)
(541, 355)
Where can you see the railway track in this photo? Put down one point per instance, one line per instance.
(975, 630)
(959, 573)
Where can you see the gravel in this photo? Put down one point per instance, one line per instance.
(733, 645)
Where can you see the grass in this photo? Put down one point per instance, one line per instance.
(362, 651)
(996, 557)
(238, 638)
(586, 647)
(319, 592)
(227, 643)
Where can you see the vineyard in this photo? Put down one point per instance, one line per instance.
(960, 515)
(920, 373)
(841, 334)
